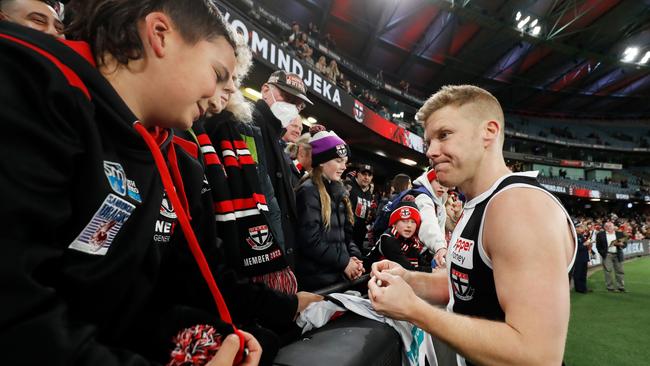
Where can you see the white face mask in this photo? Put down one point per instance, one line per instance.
(285, 112)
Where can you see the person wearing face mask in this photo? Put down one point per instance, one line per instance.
(325, 251)
(283, 97)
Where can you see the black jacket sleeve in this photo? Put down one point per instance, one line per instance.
(40, 145)
(353, 249)
(601, 243)
(390, 247)
(311, 240)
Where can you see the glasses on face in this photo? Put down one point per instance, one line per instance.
(299, 103)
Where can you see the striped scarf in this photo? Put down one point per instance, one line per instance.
(239, 202)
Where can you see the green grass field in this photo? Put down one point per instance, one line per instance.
(612, 328)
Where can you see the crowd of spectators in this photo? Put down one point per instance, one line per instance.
(297, 41)
(634, 225)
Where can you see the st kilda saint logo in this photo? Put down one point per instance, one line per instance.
(259, 237)
(341, 151)
(358, 111)
(460, 284)
(405, 213)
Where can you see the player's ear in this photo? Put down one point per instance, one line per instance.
(491, 131)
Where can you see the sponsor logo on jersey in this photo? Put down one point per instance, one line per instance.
(134, 192)
(166, 222)
(97, 237)
(116, 177)
(462, 253)
(460, 283)
(166, 208)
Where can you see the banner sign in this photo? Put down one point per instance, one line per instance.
(268, 51)
(554, 188)
(561, 162)
(574, 144)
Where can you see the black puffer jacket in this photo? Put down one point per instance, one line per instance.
(322, 255)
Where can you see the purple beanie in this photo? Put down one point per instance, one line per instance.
(325, 146)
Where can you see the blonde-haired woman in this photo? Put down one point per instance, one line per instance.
(321, 65)
(332, 72)
(326, 254)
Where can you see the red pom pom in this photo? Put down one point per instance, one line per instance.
(195, 346)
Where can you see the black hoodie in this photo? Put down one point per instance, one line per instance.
(90, 270)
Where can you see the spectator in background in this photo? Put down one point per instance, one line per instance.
(347, 86)
(296, 43)
(300, 154)
(293, 131)
(361, 199)
(398, 184)
(294, 33)
(610, 244)
(321, 65)
(332, 72)
(400, 242)
(385, 113)
(41, 15)
(283, 97)
(434, 215)
(454, 208)
(638, 235)
(306, 54)
(404, 85)
(329, 42)
(582, 259)
(341, 80)
(325, 251)
(312, 30)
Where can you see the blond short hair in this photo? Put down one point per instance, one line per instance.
(460, 95)
(302, 141)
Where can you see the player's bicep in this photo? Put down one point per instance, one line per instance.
(525, 233)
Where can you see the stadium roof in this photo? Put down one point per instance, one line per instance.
(570, 65)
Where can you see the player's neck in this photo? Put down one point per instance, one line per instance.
(488, 172)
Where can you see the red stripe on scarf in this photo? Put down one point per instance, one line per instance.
(237, 204)
(211, 159)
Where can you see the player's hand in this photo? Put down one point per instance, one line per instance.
(388, 267)
(390, 295)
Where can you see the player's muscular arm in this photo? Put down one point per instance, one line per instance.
(528, 240)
